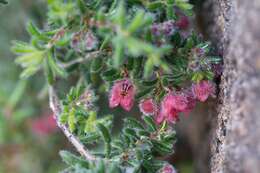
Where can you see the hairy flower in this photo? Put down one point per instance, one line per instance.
(171, 105)
(122, 93)
(167, 168)
(203, 90)
(148, 107)
(179, 101)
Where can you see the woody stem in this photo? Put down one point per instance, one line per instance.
(57, 110)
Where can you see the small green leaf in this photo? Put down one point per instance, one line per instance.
(110, 75)
(72, 159)
(35, 32)
(120, 14)
(28, 72)
(133, 123)
(81, 6)
(198, 76)
(96, 65)
(150, 123)
(48, 72)
(20, 47)
(170, 12)
(148, 68)
(90, 138)
(72, 120)
(130, 132)
(144, 92)
(162, 148)
(139, 21)
(150, 83)
(90, 122)
(155, 5)
(104, 132)
(56, 69)
(118, 57)
(65, 114)
(106, 137)
(3, 2)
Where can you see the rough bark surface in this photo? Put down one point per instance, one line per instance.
(235, 29)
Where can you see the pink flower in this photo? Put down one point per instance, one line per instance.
(122, 93)
(167, 168)
(171, 105)
(183, 23)
(44, 125)
(203, 90)
(179, 101)
(148, 107)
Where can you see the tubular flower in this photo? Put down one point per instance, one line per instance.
(148, 107)
(203, 90)
(179, 102)
(122, 93)
(171, 105)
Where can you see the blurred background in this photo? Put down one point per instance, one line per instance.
(29, 139)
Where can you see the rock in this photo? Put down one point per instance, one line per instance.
(234, 27)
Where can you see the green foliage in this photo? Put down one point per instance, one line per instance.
(23, 101)
(3, 2)
(136, 149)
(81, 117)
(32, 56)
(79, 165)
(98, 42)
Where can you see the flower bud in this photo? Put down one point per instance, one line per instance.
(148, 107)
(167, 168)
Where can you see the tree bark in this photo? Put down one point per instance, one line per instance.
(234, 27)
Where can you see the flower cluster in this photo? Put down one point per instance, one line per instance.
(172, 104)
(143, 52)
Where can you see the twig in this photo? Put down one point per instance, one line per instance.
(88, 56)
(57, 110)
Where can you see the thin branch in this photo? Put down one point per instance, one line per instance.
(57, 110)
(88, 56)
